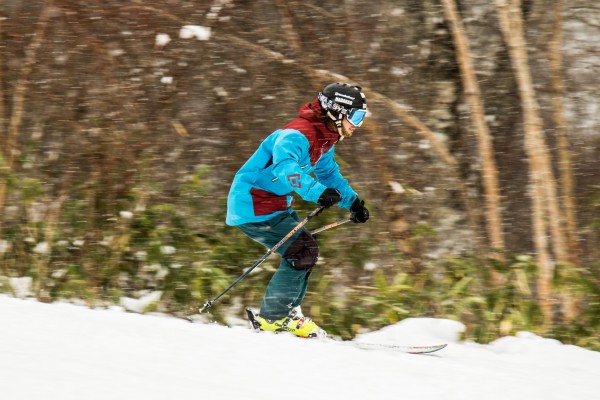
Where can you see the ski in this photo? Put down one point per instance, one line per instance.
(404, 349)
(255, 325)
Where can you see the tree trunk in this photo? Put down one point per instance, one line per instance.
(569, 305)
(564, 153)
(18, 104)
(476, 106)
(2, 117)
(543, 187)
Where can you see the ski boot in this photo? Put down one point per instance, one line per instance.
(294, 322)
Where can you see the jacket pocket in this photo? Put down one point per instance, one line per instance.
(266, 202)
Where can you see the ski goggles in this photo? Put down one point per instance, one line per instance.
(356, 116)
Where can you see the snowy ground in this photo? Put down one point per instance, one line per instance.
(62, 351)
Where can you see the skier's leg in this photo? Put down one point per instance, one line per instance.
(283, 291)
(288, 285)
(304, 253)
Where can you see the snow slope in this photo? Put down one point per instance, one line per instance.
(61, 351)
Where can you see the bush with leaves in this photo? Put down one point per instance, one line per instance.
(179, 246)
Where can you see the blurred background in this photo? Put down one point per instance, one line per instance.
(122, 124)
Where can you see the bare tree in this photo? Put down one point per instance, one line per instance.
(476, 106)
(18, 103)
(545, 211)
(564, 152)
(2, 110)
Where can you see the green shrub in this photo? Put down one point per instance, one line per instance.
(179, 245)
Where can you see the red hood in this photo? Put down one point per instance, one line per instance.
(311, 124)
(312, 112)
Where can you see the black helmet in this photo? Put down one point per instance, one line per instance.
(339, 100)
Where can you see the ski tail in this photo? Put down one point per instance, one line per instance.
(253, 318)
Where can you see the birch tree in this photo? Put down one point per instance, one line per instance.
(564, 152)
(545, 213)
(484, 139)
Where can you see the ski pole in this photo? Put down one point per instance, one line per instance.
(263, 258)
(332, 225)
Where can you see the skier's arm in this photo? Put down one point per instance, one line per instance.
(288, 152)
(328, 173)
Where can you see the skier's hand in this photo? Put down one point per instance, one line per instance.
(329, 197)
(360, 214)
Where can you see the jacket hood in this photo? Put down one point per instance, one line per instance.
(313, 113)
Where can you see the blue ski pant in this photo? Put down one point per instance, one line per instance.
(300, 253)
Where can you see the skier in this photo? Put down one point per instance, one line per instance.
(260, 198)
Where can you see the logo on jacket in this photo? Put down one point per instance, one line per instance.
(294, 180)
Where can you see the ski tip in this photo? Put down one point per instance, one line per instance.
(403, 349)
(426, 349)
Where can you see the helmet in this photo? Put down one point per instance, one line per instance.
(339, 100)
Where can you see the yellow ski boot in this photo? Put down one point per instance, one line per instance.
(294, 322)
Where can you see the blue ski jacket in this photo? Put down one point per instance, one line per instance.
(282, 164)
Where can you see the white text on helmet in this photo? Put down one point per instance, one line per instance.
(344, 95)
(342, 100)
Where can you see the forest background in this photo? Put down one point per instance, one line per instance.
(122, 124)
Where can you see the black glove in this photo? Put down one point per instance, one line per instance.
(360, 214)
(329, 197)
